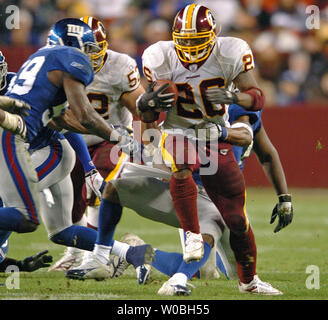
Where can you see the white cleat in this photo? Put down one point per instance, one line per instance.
(257, 286)
(71, 258)
(172, 287)
(194, 247)
(90, 269)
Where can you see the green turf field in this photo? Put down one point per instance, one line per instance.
(283, 257)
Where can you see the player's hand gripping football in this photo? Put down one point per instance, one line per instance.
(14, 106)
(95, 183)
(284, 211)
(32, 263)
(220, 95)
(155, 100)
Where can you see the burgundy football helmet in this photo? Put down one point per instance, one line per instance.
(99, 32)
(194, 33)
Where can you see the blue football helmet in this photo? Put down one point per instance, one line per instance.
(3, 71)
(73, 33)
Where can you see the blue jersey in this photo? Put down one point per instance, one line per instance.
(32, 85)
(235, 112)
(9, 76)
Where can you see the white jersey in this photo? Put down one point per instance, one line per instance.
(119, 74)
(229, 57)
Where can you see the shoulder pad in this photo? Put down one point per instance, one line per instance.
(232, 47)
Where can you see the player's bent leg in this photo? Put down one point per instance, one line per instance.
(181, 155)
(229, 196)
(19, 186)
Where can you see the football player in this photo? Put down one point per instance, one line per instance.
(269, 159)
(113, 94)
(206, 69)
(40, 260)
(52, 75)
(140, 182)
(141, 193)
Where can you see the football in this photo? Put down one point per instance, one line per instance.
(171, 89)
(151, 116)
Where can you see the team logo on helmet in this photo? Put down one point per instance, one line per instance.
(99, 32)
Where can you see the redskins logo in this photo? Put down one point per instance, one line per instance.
(210, 18)
(101, 28)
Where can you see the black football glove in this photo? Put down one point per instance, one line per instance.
(219, 95)
(155, 100)
(14, 106)
(32, 263)
(284, 210)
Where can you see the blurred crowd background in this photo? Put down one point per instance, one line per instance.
(291, 60)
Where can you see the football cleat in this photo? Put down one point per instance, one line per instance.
(117, 266)
(91, 269)
(173, 288)
(143, 273)
(71, 258)
(194, 247)
(143, 270)
(257, 286)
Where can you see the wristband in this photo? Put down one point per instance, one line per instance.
(285, 197)
(224, 133)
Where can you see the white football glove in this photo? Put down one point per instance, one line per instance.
(14, 106)
(14, 123)
(95, 183)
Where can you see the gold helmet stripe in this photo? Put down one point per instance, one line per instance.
(188, 20)
(85, 19)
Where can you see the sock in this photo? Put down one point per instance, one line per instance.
(190, 269)
(109, 215)
(167, 262)
(184, 196)
(120, 249)
(10, 219)
(102, 253)
(244, 248)
(76, 236)
(93, 215)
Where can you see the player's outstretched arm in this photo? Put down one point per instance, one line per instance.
(83, 111)
(250, 97)
(240, 133)
(67, 121)
(271, 164)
